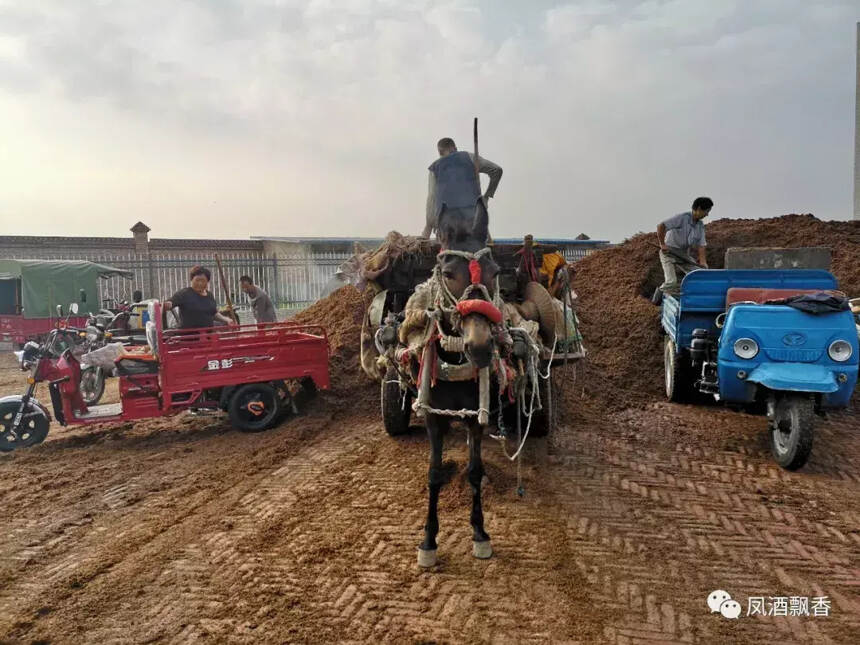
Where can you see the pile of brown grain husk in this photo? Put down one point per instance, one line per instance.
(341, 314)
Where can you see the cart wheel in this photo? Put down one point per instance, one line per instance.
(543, 420)
(396, 404)
(92, 385)
(677, 378)
(254, 407)
(33, 429)
(791, 431)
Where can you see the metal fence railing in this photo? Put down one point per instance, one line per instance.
(293, 282)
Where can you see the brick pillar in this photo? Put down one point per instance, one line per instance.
(141, 248)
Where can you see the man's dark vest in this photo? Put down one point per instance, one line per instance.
(456, 183)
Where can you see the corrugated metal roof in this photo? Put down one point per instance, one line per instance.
(551, 241)
(379, 240)
(126, 242)
(316, 240)
(185, 243)
(31, 240)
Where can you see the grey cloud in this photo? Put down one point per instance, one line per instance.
(624, 108)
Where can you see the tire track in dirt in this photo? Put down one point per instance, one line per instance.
(700, 516)
(196, 590)
(178, 490)
(284, 567)
(703, 493)
(312, 537)
(642, 543)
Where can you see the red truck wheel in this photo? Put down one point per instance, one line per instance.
(254, 407)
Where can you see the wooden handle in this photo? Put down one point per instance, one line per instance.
(477, 165)
(226, 290)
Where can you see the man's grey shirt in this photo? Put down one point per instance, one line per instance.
(684, 233)
(493, 171)
(261, 305)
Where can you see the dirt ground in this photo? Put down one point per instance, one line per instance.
(183, 530)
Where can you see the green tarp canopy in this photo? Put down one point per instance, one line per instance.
(48, 283)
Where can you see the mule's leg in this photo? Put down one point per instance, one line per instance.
(436, 428)
(481, 546)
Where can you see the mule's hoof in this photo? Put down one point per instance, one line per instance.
(426, 558)
(482, 550)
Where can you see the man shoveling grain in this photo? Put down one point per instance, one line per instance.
(679, 236)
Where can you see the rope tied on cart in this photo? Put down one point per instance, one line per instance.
(533, 375)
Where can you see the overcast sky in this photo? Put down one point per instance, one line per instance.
(232, 118)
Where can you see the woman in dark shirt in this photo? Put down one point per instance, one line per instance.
(196, 303)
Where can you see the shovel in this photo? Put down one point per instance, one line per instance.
(678, 256)
(657, 298)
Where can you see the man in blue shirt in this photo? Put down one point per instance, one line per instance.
(679, 236)
(455, 187)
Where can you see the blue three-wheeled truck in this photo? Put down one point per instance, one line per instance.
(779, 340)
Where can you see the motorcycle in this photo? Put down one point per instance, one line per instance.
(106, 326)
(80, 342)
(92, 385)
(23, 420)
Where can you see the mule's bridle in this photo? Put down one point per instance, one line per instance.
(445, 303)
(448, 302)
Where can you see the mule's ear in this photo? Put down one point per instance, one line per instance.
(481, 227)
(443, 235)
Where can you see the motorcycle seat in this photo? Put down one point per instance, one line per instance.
(132, 366)
(138, 353)
(136, 359)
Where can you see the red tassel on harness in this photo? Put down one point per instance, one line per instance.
(475, 271)
(430, 355)
(488, 309)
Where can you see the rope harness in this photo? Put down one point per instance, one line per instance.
(447, 306)
(513, 380)
(509, 379)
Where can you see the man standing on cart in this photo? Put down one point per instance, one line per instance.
(454, 186)
(679, 236)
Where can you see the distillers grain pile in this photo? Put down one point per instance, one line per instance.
(341, 314)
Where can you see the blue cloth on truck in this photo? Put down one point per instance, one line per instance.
(814, 303)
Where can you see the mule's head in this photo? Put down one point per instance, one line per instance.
(462, 277)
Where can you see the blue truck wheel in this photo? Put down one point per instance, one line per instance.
(792, 430)
(677, 376)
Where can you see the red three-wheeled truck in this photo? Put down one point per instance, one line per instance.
(241, 369)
